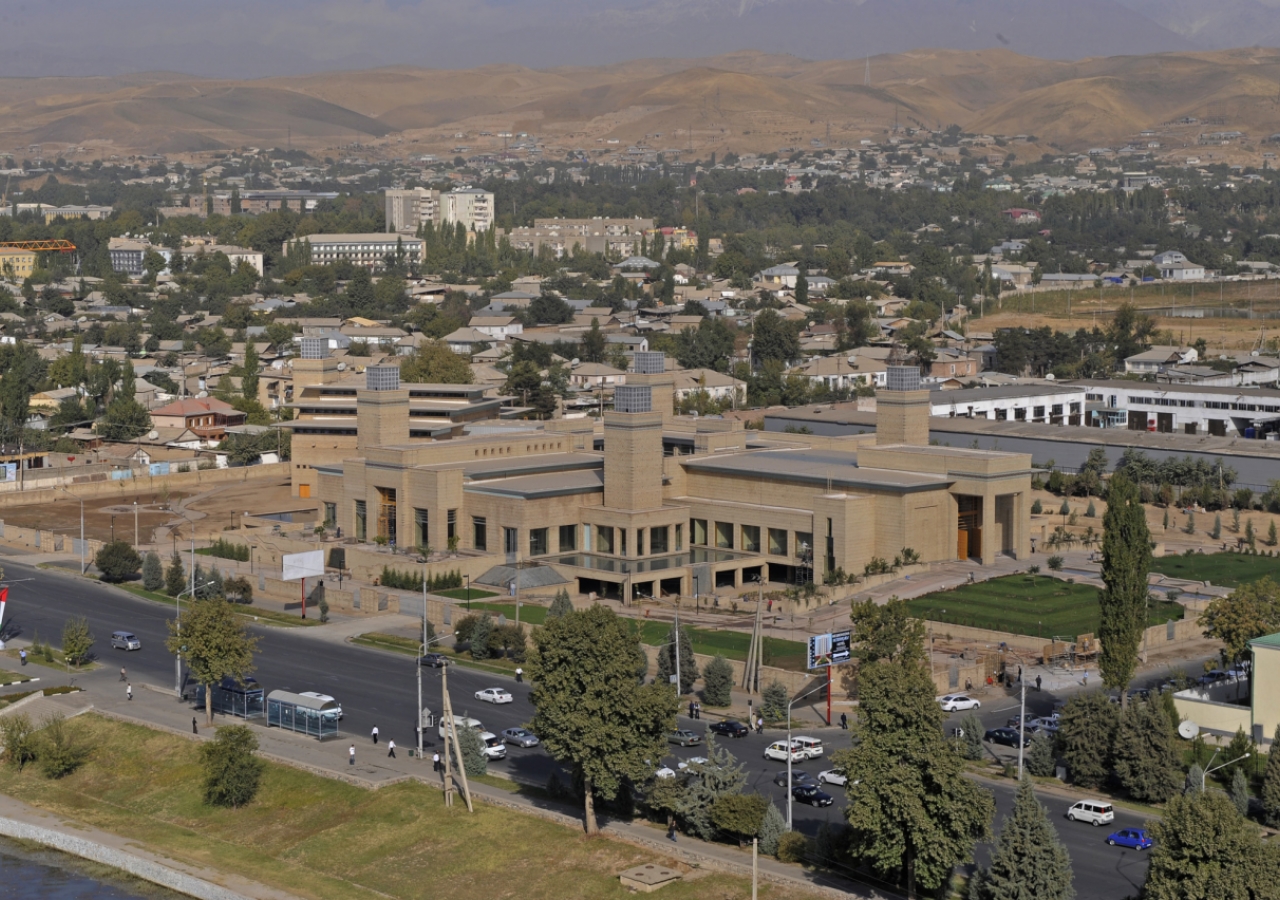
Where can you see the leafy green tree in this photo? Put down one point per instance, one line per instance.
(1216, 531)
(18, 737)
(152, 572)
(175, 577)
(117, 561)
(125, 418)
(591, 713)
(77, 641)
(709, 346)
(740, 815)
(249, 377)
(213, 641)
(773, 701)
(1029, 860)
(772, 827)
(1204, 850)
(1146, 759)
(480, 637)
(718, 683)
(802, 288)
(913, 814)
(561, 605)
(720, 776)
(1271, 784)
(471, 748)
(593, 344)
(59, 751)
(1041, 759)
(434, 363)
(688, 662)
(1126, 561)
(971, 741)
(1248, 612)
(774, 338)
(1085, 736)
(232, 773)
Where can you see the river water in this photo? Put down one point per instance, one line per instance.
(30, 873)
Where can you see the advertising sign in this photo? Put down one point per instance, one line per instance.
(828, 649)
(303, 565)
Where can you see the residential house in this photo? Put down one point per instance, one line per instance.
(1174, 266)
(596, 376)
(1150, 362)
(206, 417)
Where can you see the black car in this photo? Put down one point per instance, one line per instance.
(811, 794)
(435, 660)
(797, 777)
(1007, 736)
(730, 728)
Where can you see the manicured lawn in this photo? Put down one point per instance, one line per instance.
(327, 840)
(529, 612)
(461, 593)
(1226, 569)
(731, 645)
(1046, 607)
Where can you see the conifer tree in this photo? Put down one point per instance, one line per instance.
(1029, 860)
(561, 605)
(1041, 759)
(1085, 736)
(152, 572)
(1271, 784)
(175, 578)
(1146, 760)
(688, 662)
(1126, 561)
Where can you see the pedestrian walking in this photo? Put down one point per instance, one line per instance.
(22, 654)
(128, 691)
(374, 734)
(844, 722)
(124, 676)
(351, 755)
(1019, 674)
(760, 725)
(671, 833)
(391, 749)
(697, 710)
(690, 709)
(968, 684)
(519, 675)
(435, 762)
(195, 728)
(1037, 682)
(1086, 678)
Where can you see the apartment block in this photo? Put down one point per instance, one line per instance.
(619, 238)
(368, 250)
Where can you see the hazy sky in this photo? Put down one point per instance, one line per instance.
(240, 38)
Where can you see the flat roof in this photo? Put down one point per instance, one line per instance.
(1002, 392)
(1164, 388)
(837, 468)
(529, 487)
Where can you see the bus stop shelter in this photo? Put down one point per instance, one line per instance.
(234, 699)
(305, 715)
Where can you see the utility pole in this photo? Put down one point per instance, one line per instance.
(418, 661)
(1022, 718)
(135, 523)
(451, 737)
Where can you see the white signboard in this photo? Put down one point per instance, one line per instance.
(303, 565)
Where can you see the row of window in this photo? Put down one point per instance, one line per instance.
(748, 538)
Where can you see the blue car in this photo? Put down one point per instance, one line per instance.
(1133, 838)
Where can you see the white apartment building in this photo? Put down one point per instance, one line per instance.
(407, 210)
(1183, 408)
(368, 250)
(470, 206)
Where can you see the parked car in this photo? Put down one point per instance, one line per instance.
(811, 747)
(125, 640)
(798, 776)
(811, 794)
(729, 728)
(494, 695)
(781, 750)
(1095, 812)
(1213, 676)
(957, 702)
(323, 698)
(831, 776)
(692, 761)
(1010, 737)
(1015, 721)
(684, 738)
(520, 737)
(435, 660)
(1133, 838)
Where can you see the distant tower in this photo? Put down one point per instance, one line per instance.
(902, 408)
(866, 78)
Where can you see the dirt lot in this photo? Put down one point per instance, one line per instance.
(212, 511)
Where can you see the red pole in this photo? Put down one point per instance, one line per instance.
(304, 597)
(828, 695)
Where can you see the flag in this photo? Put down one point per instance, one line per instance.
(4, 599)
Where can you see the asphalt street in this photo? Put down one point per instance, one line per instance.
(379, 688)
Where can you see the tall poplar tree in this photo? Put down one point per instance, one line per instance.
(1030, 862)
(1126, 561)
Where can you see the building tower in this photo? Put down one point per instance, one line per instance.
(633, 450)
(382, 409)
(902, 408)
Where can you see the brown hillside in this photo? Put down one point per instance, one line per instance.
(741, 101)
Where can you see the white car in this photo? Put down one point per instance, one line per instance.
(831, 776)
(957, 702)
(323, 698)
(494, 695)
(693, 761)
(778, 750)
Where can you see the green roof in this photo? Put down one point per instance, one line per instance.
(1269, 640)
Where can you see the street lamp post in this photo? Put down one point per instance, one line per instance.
(1212, 768)
(817, 687)
(83, 564)
(177, 660)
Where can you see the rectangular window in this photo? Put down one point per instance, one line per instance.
(658, 540)
(568, 538)
(538, 542)
(510, 540)
(778, 541)
(804, 544)
(622, 541)
(361, 521)
(831, 547)
(751, 538)
(724, 535)
(679, 538)
(421, 533)
(479, 533)
(697, 531)
(451, 525)
(330, 515)
(604, 538)
(639, 542)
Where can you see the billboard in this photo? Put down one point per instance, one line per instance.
(303, 565)
(828, 649)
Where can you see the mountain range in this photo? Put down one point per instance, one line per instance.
(739, 101)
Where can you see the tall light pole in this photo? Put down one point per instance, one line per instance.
(790, 754)
(83, 565)
(177, 659)
(135, 524)
(1205, 774)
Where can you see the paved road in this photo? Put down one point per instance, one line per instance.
(378, 688)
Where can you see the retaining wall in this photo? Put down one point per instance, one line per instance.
(96, 486)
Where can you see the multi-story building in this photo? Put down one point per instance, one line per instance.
(235, 255)
(368, 250)
(256, 202)
(471, 207)
(15, 263)
(615, 238)
(128, 255)
(651, 503)
(408, 209)
(1183, 408)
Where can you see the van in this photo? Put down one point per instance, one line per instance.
(125, 640)
(778, 750)
(461, 722)
(323, 698)
(809, 747)
(494, 746)
(1095, 812)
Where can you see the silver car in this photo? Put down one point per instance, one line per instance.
(125, 640)
(521, 737)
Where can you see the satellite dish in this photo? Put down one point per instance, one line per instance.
(342, 367)
(1188, 730)
(152, 435)
(202, 395)
(575, 362)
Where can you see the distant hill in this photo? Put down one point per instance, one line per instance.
(740, 101)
